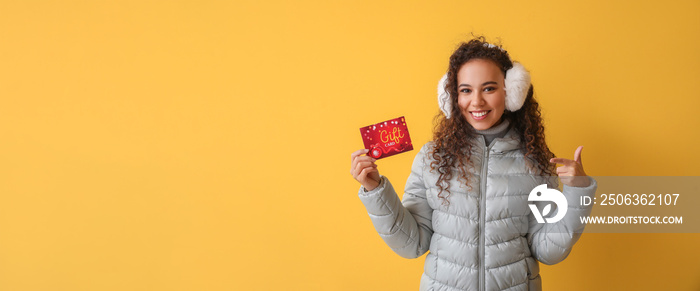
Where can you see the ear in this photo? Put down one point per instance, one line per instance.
(517, 84)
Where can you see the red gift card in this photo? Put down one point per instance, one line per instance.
(387, 138)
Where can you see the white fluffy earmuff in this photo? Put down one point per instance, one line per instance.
(517, 84)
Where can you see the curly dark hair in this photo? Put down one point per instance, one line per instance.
(454, 138)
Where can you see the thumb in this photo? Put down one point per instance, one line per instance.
(577, 155)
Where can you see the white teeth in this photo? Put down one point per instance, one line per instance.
(479, 114)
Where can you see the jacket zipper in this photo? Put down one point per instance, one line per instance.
(482, 218)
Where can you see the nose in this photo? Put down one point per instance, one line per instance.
(478, 99)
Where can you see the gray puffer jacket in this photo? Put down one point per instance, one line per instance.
(486, 238)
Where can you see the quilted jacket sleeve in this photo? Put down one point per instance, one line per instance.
(405, 226)
(551, 243)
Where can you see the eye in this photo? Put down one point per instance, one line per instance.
(466, 90)
(488, 89)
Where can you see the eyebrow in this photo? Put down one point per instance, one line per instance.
(484, 84)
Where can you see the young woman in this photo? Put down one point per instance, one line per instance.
(466, 199)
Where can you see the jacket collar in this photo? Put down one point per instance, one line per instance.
(508, 142)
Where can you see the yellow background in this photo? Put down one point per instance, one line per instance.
(204, 145)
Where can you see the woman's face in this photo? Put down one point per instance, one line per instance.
(482, 95)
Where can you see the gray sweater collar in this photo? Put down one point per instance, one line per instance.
(495, 131)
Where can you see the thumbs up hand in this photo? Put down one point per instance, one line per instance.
(571, 173)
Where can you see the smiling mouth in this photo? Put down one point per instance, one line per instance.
(479, 114)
